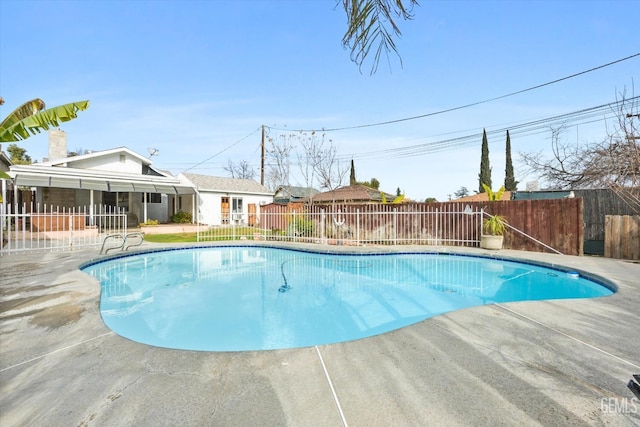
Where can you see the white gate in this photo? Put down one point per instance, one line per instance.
(55, 228)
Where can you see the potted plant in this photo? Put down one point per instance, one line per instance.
(493, 232)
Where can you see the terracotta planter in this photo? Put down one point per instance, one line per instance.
(491, 242)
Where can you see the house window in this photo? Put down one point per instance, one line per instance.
(119, 200)
(122, 158)
(153, 198)
(236, 208)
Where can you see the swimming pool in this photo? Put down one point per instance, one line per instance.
(237, 298)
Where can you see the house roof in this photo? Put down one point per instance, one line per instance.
(297, 192)
(226, 185)
(69, 161)
(352, 193)
(60, 173)
(93, 154)
(39, 175)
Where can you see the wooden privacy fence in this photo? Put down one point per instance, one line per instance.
(555, 222)
(622, 237)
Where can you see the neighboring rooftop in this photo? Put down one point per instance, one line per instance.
(224, 184)
(357, 193)
(290, 193)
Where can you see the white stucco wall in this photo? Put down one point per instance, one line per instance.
(111, 163)
(210, 206)
(159, 211)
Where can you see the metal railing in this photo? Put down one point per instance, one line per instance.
(358, 226)
(54, 228)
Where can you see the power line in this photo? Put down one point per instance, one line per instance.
(584, 116)
(533, 127)
(222, 151)
(473, 104)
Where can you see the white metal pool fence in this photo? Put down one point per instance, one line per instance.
(368, 225)
(54, 228)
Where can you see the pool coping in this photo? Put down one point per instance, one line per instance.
(528, 362)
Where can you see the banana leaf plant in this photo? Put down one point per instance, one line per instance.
(493, 196)
(32, 117)
(396, 200)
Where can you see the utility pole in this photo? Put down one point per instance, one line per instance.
(262, 158)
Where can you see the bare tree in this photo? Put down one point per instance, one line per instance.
(316, 157)
(612, 163)
(331, 173)
(278, 155)
(242, 170)
(624, 150)
(309, 155)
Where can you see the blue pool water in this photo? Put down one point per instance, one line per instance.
(256, 298)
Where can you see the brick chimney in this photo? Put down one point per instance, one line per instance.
(57, 144)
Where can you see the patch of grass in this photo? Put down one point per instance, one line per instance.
(171, 238)
(240, 233)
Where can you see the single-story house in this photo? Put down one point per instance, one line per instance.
(353, 194)
(222, 201)
(286, 194)
(117, 177)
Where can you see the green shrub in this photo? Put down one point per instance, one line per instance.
(182, 218)
(300, 226)
(149, 222)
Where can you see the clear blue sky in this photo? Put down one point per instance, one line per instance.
(192, 78)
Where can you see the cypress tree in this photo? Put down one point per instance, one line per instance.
(510, 183)
(352, 178)
(485, 170)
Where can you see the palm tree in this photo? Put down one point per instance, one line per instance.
(369, 22)
(32, 117)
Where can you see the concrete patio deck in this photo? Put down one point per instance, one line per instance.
(560, 362)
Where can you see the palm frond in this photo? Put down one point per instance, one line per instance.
(368, 25)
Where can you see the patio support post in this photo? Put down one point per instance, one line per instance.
(194, 208)
(144, 207)
(15, 196)
(92, 219)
